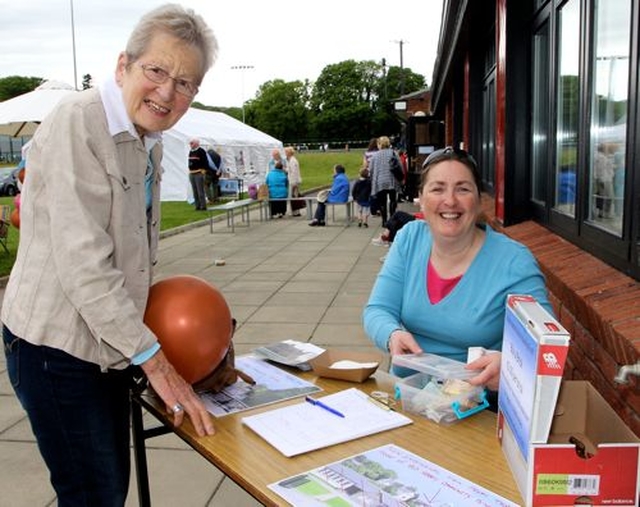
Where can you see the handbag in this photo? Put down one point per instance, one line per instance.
(263, 192)
(396, 168)
(323, 195)
(297, 204)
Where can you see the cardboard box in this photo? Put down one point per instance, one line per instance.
(534, 351)
(321, 364)
(591, 458)
(564, 444)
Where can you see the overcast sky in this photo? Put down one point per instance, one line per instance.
(281, 39)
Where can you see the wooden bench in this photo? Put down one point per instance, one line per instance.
(230, 208)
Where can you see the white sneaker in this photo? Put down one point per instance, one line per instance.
(379, 242)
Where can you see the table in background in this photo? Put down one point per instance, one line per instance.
(230, 208)
(468, 448)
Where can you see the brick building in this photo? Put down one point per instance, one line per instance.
(543, 94)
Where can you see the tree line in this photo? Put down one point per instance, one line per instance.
(350, 102)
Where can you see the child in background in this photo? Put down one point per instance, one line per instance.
(361, 193)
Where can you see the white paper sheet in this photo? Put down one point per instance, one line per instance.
(300, 428)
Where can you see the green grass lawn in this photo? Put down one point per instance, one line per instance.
(316, 169)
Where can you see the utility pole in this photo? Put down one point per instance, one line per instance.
(401, 43)
(384, 74)
(242, 68)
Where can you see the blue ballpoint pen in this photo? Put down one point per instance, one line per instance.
(318, 403)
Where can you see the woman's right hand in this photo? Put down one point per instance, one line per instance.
(403, 342)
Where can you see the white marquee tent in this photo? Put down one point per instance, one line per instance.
(245, 150)
(21, 115)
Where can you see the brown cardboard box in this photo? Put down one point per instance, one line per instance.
(321, 364)
(591, 457)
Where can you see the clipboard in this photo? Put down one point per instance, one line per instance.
(304, 427)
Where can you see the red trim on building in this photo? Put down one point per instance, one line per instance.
(466, 102)
(501, 85)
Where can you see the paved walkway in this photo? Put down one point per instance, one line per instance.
(282, 280)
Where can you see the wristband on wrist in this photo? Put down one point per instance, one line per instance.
(145, 355)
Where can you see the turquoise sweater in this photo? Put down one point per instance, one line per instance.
(278, 184)
(472, 314)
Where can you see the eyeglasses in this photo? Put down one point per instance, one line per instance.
(159, 76)
(449, 153)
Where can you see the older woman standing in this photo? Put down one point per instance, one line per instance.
(293, 171)
(74, 305)
(443, 286)
(383, 184)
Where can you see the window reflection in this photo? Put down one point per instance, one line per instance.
(609, 113)
(568, 96)
(539, 114)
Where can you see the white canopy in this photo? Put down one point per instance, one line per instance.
(245, 150)
(21, 115)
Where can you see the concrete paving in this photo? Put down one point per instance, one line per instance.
(282, 280)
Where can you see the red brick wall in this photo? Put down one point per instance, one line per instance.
(600, 307)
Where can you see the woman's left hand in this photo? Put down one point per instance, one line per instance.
(177, 394)
(490, 374)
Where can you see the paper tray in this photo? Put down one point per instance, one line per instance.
(321, 364)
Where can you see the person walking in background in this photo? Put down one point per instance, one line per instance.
(338, 193)
(370, 151)
(383, 183)
(295, 179)
(404, 162)
(212, 178)
(73, 308)
(361, 194)
(444, 285)
(198, 167)
(372, 148)
(278, 184)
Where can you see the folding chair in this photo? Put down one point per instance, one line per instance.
(5, 222)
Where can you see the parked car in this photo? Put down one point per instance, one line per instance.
(9, 181)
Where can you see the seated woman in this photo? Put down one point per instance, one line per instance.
(397, 221)
(339, 193)
(443, 286)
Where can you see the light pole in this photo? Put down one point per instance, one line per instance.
(242, 68)
(73, 42)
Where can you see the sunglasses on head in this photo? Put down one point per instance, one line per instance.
(448, 153)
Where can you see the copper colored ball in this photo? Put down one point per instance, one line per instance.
(193, 324)
(14, 218)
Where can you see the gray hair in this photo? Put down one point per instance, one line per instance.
(179, 22)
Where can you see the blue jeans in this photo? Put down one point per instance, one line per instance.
(80, 418)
